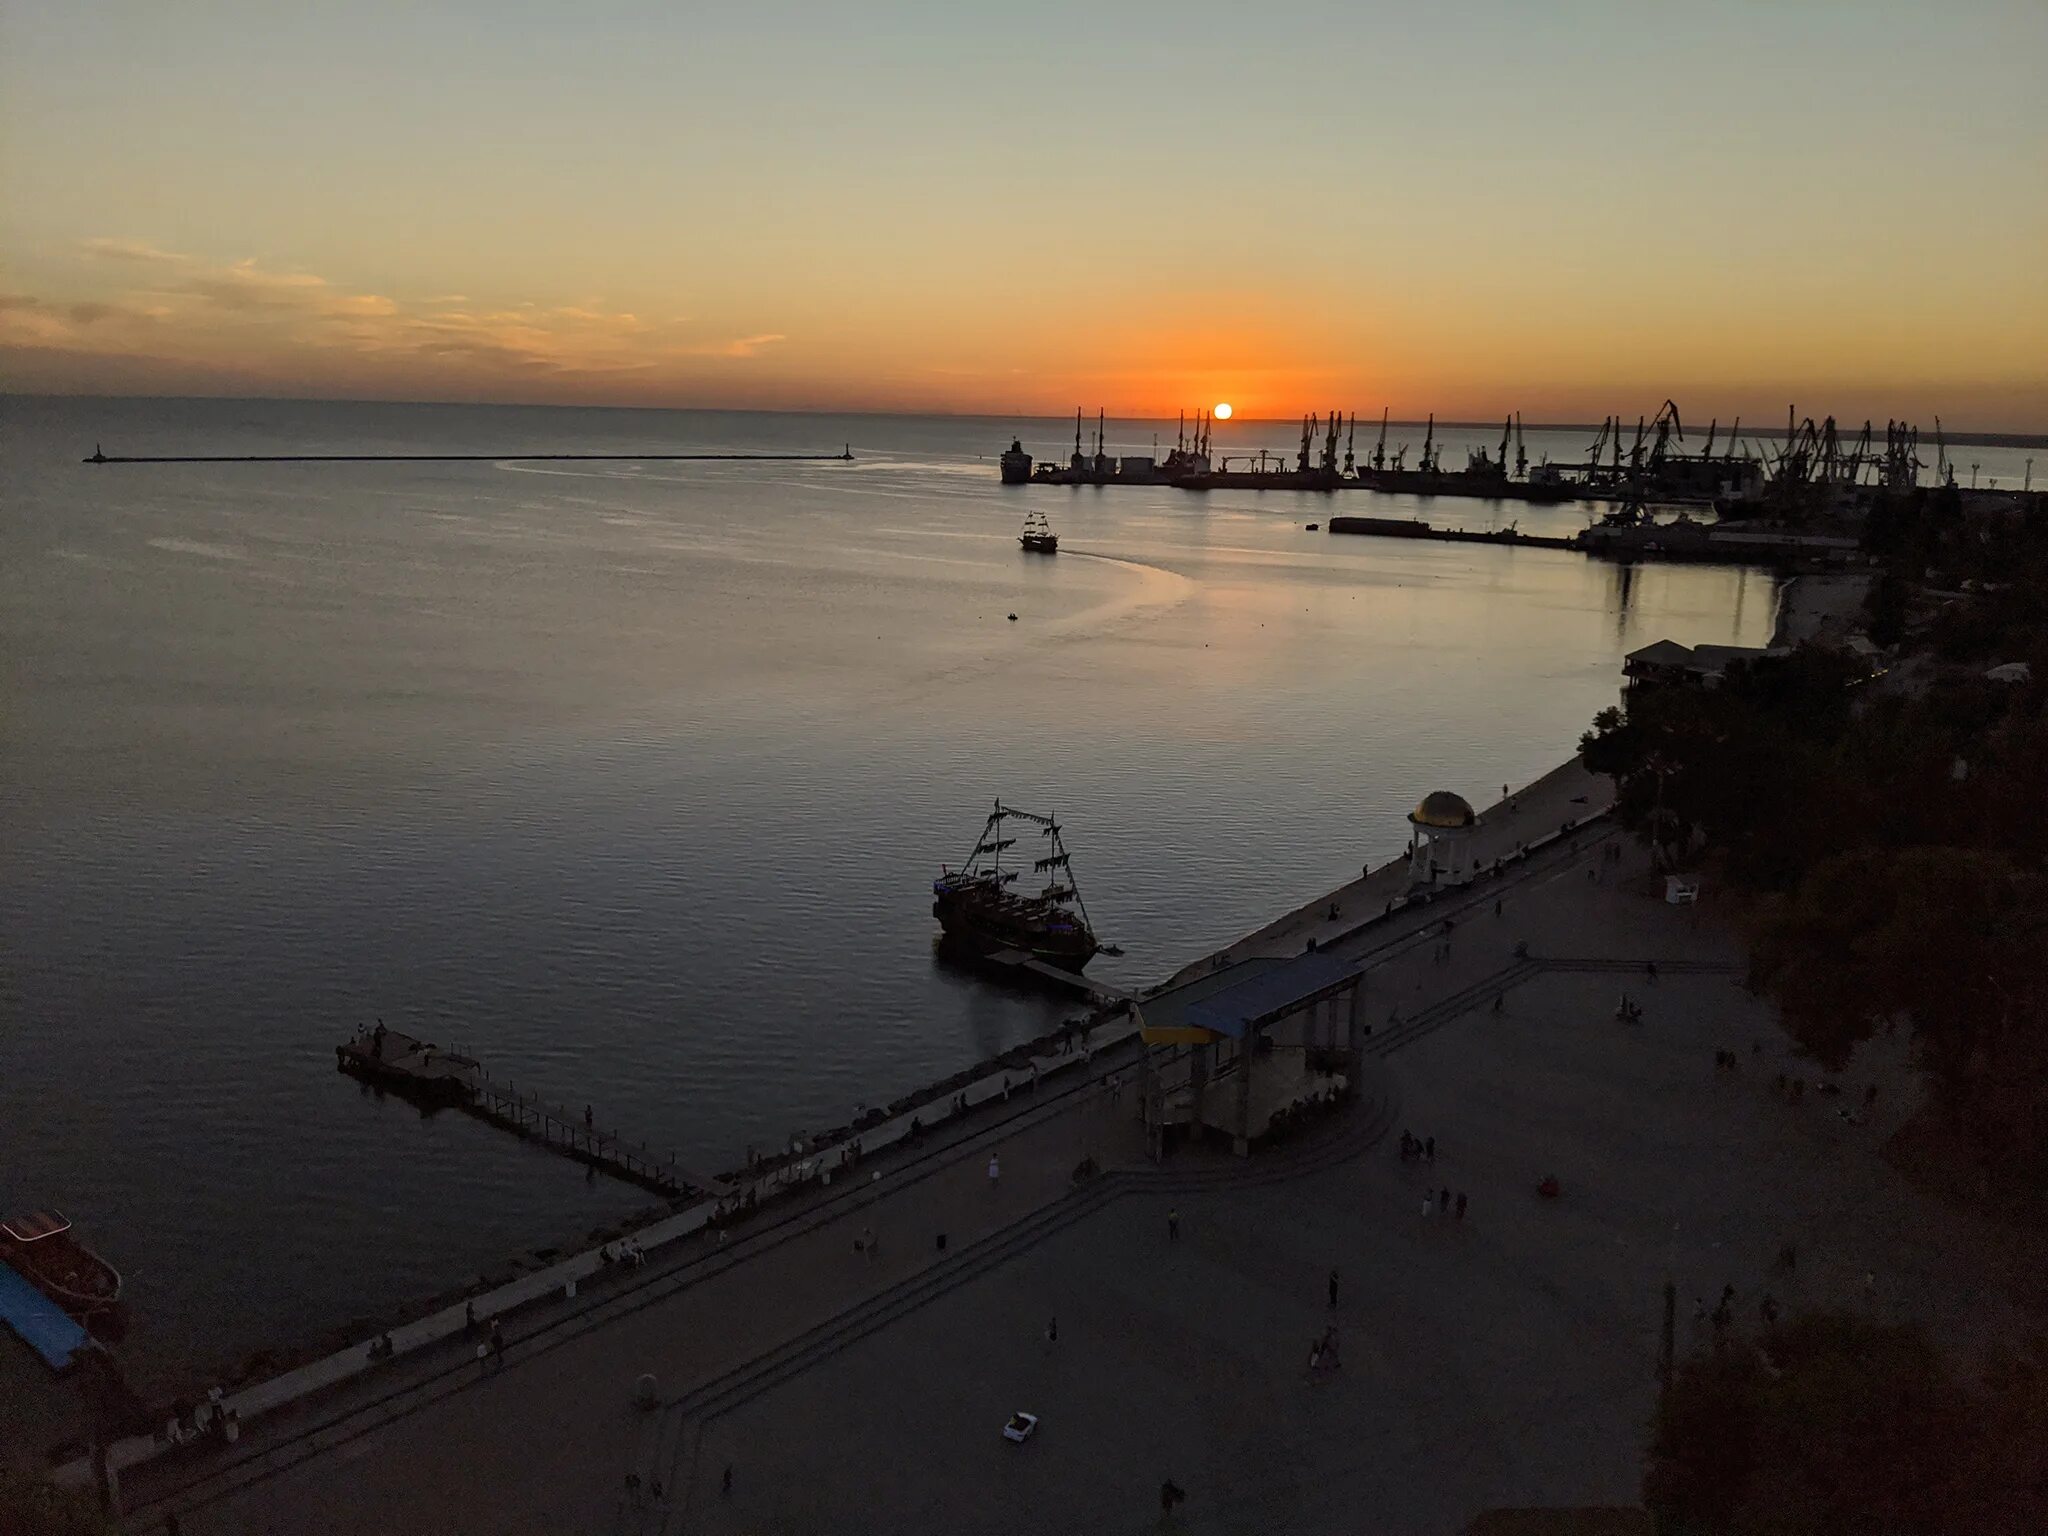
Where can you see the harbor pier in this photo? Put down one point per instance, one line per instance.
(424, 1073)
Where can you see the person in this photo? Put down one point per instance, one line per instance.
(1496, 906)
(725, 1482)
(1173, 1226)
(1650, 969)
(497, 1344)
(1500, 1000)
(1461, 1205)
(1333, 911)
(377, 1041)
(483, 1356)
(468, 1319)
(1429, 1150)
(867, 1242)
(1052, 1330)
(1333, 1287)
(995, 1170)
(1426, 1202)
(1444, 1201)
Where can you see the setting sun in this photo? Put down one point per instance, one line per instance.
(1223, 410)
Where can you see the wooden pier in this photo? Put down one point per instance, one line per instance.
(426, 1074)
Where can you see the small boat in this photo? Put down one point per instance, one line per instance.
(981, 914)
(41, 1246)
(1038, 536)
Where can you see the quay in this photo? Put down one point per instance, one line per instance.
(425, 1074)
(844, 456)
(1409, 528)
(1683, 540)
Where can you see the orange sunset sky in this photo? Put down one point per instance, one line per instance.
(1464, 208)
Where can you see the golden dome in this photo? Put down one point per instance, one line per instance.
(1441, 808)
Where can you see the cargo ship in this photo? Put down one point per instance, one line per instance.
(980, 913)
(41, 1248)
(1016, 463)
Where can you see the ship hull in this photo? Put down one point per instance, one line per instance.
(975, 933)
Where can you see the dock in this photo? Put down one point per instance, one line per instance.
(844, 456)
(1096, 991)
(424, 1073)
(1410, 528)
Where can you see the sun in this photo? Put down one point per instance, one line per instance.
(1222, 411)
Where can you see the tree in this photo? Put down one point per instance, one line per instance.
(1837, 1424)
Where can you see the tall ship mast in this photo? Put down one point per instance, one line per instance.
(980, 911)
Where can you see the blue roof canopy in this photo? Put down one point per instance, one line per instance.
(1237, 1010)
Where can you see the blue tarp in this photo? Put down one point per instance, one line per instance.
(43, 1325)
(1232, 1011)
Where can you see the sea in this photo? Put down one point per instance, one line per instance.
(631, 778)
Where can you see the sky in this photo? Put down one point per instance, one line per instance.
(1459, 206)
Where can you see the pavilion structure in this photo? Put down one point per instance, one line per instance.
(1440, 844)
(1231, 1051)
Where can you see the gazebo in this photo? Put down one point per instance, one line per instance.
(1440, 846)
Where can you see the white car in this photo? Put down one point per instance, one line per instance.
(1022, 1427)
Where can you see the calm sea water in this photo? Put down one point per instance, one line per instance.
(632, 779)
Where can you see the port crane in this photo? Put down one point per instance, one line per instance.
(1379, 452)
(1521, 453)
(1428, 465)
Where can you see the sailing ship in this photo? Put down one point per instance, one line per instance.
(1038, 536)
(981, 913)
(41, 1246)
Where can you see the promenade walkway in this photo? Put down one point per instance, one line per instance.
(854, 1375)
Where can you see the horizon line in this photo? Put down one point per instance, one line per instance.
(1985, 438)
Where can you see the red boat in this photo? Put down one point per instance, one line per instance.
(41, 1247)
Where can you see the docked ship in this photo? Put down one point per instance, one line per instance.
(1038, 536)
(981, 913)
(41, 1247)
(1016, 463)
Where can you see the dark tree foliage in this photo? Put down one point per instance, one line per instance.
(1897, 848)
(1839, 1425)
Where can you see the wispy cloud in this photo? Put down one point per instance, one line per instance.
(113, 248)
(184, 308)
(739, 346)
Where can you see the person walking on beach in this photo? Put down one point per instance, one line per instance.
(1443, 1200)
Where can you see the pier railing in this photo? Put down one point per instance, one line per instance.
(526, 1113)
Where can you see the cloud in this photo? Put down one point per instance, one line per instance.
(112, 248)
(190, 312)
(739, 346)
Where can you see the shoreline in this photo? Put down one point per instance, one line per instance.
(1810, 605)
(1526, 821)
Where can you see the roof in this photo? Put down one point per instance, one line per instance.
(34, 1226)
(1270, 993)
(1665, 653)
(1441, 808)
